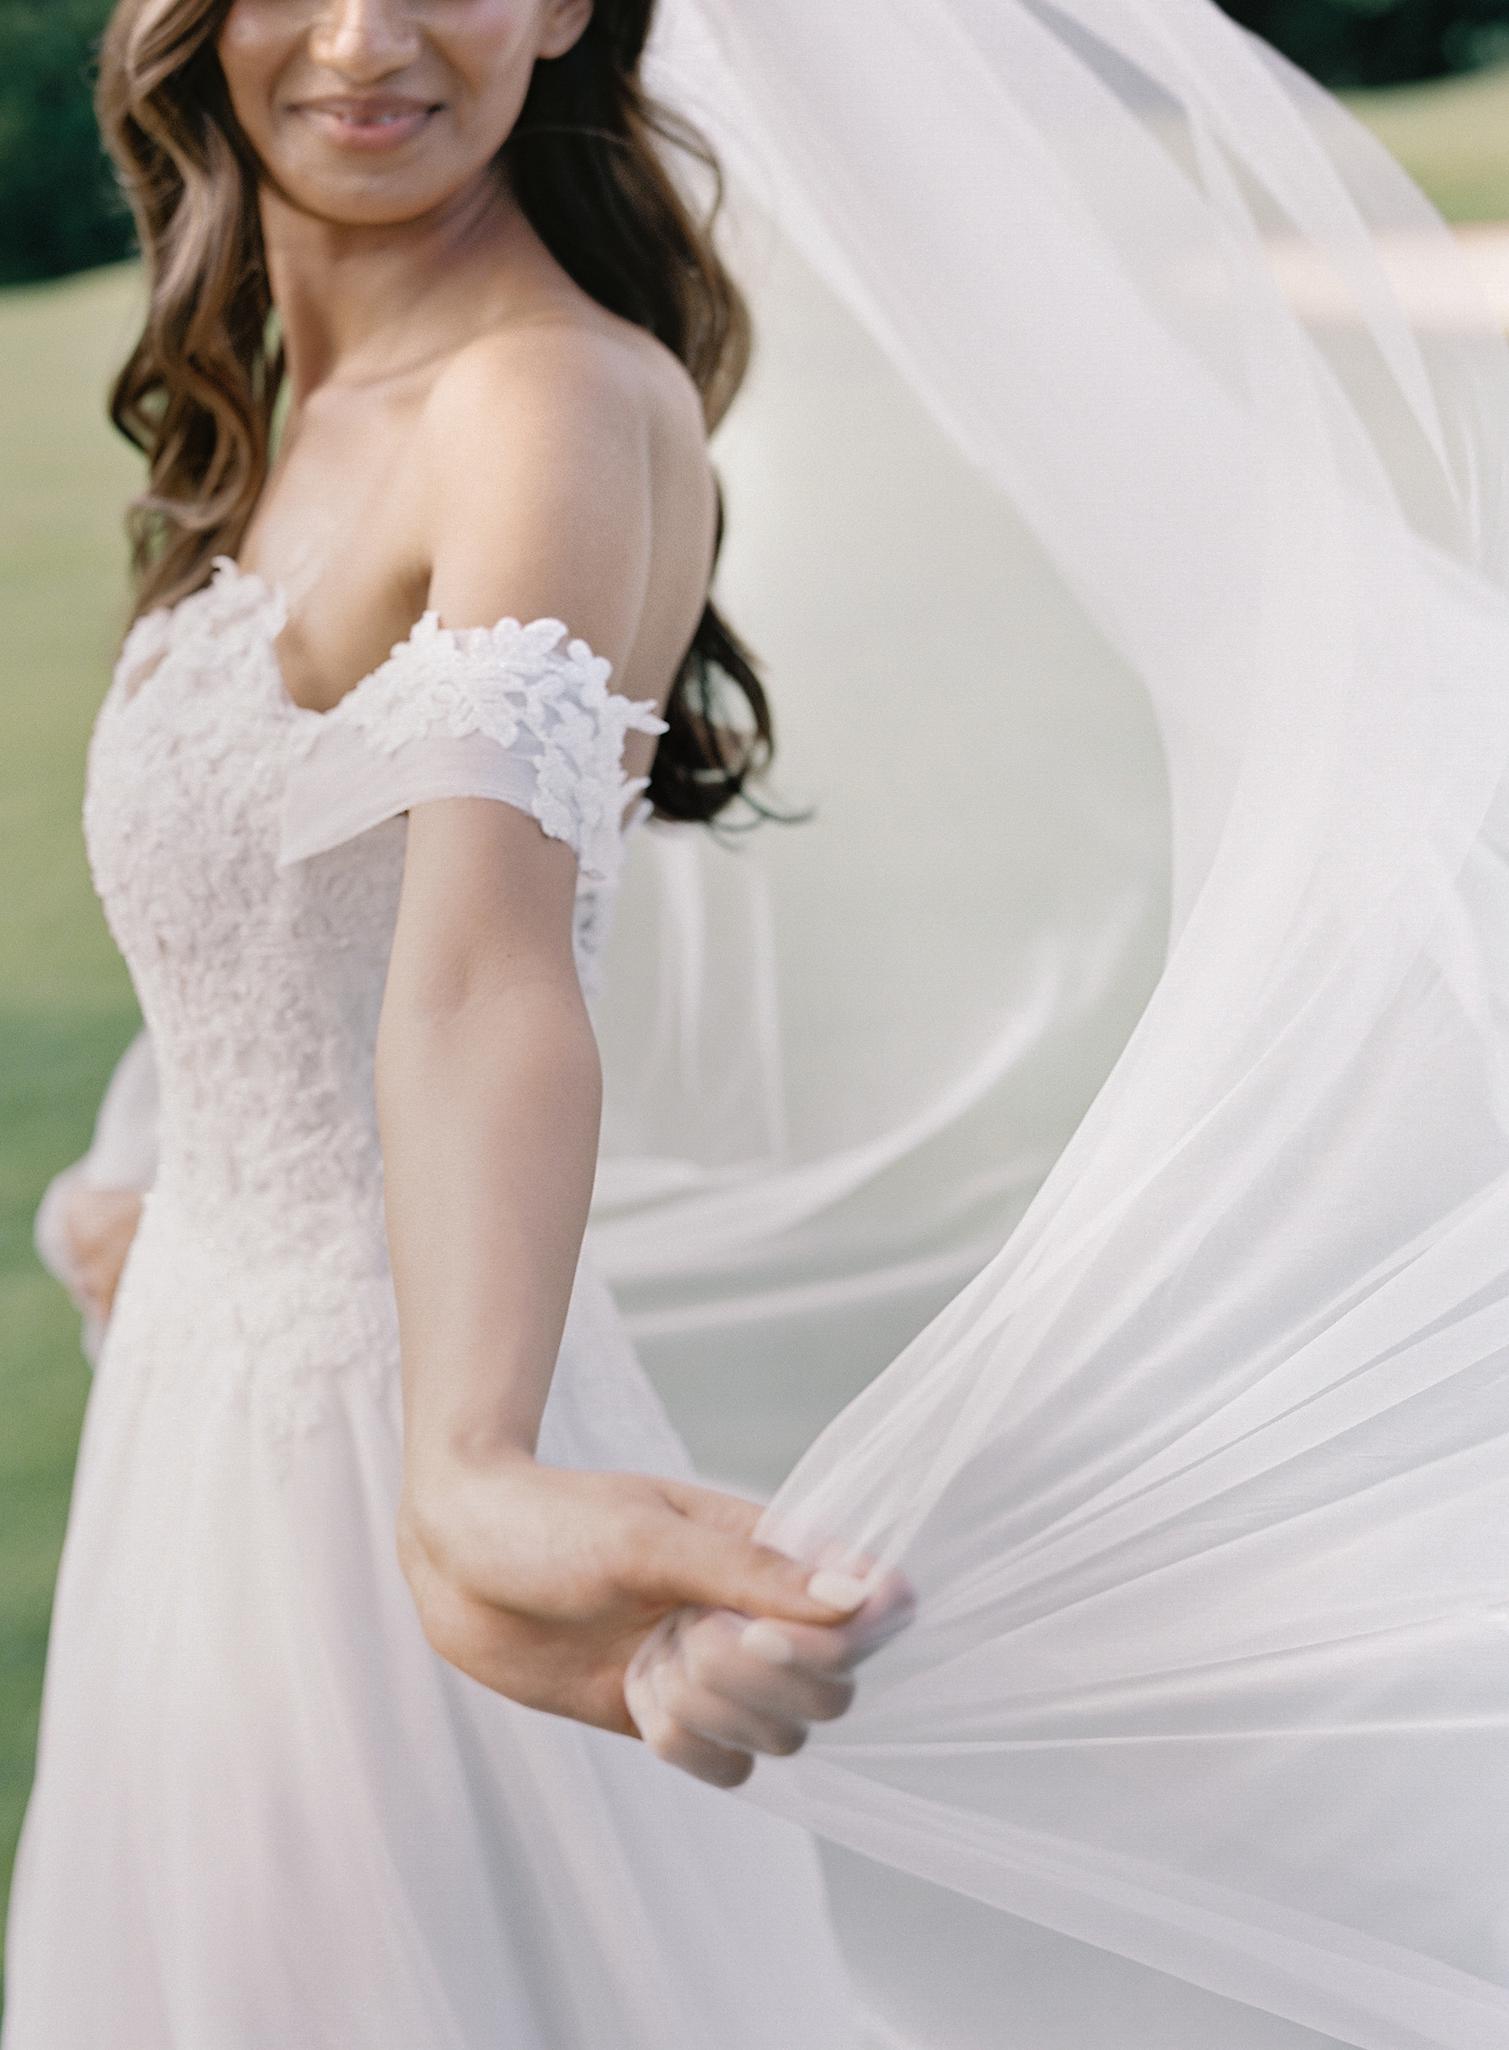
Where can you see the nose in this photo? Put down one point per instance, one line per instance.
(365, 39)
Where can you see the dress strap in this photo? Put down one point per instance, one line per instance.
(520, 712)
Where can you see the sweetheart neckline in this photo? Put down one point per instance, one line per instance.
(229, 576)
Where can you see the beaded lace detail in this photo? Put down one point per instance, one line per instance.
(263, 1249)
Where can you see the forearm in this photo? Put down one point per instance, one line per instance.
(539, 1581)
(489, 1110)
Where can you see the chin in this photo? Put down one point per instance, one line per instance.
(370, 201)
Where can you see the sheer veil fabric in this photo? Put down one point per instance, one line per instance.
(1118, 1059)
(1109, 1081)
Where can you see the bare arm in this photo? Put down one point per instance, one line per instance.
(541, 1583)
(489, 1094)
(488, 1076)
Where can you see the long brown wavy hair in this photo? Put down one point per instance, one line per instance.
(198, 393)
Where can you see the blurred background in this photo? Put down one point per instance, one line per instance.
(1431, 77)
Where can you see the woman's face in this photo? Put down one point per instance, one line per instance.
(375, 111)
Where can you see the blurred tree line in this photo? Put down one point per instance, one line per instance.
(1348, 43)
(60, 212)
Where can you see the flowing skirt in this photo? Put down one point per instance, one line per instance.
(267, 1813)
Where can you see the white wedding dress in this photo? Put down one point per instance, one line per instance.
(266, 1812)
(1148, 529)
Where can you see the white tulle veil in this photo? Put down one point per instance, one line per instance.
(1118, 1058)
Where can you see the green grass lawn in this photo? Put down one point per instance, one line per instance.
(1453, 139)
(65, 1004)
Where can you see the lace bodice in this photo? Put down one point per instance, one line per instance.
(248, 853)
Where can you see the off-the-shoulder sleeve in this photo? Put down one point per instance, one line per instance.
(522, 713)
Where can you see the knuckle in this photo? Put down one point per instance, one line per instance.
(788, 1740)
(674, 1694)
(702, 1659)
(734, 1772)
(664, 1739)
(834, 1700)
(634, 1565)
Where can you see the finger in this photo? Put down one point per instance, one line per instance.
(710, 1654)
(835, 1649)
(714, 1507)
(735, 1724)
(701, 1733)
(788, 1691)
(712, 1568)
(833, 1576)
(705, 1759)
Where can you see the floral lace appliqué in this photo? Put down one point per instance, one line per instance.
(531, 689)
(260, 1277)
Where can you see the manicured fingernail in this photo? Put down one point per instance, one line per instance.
(769, 1643)
(837, 1590)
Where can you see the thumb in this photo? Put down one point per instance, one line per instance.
(720, 1569)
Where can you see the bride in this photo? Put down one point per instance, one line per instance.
(356, 805)
(1120, 1050)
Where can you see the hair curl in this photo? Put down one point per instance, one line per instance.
(589, 165)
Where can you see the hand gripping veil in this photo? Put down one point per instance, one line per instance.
(1119, 1059)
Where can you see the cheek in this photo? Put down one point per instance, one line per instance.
(489, 45)
(255, 43)
(478, 55)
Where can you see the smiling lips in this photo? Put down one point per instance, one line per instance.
(378, 121)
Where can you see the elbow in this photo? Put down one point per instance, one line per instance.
(444, 986)
(491, 1026)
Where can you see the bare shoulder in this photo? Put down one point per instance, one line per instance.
(565, 474)
(604, 393)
